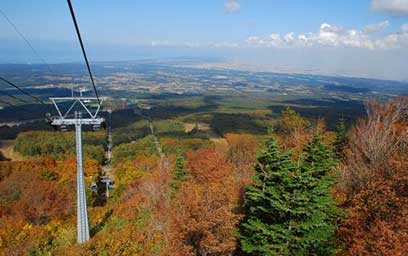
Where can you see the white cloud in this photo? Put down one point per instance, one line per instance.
(276, 40)
(333, 36)
(404, 28)
(254, 41)
(327, 35)
(289, 38)
(377, 27)
(161, 43)
(327, 28)
(175, 44)
(223, 45)
(232, 6)
(273, 40)
(391, 7)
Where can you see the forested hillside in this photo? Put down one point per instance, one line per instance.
(60, 145)
(188, 186)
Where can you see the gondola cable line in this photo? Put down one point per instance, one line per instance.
(14, 97)
(15, 106)
(22, 91)
(62, 120)
(25, 40)
(83, 50)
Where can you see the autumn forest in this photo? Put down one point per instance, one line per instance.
(296, 189)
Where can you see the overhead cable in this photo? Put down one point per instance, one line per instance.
(14, 97)
(21, 90)
(83, 49)
(25, 39)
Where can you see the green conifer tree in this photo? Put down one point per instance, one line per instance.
(317, 223)
(289, 210)
(341, 137)
(180, 173)
(265, 229)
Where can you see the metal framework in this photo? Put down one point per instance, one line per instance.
(89, 119)
(78, 119)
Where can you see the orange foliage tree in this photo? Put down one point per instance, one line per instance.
(242, 153)
(292, 130)
(203, 218)
(375, 182)
(37, 197)
(32, 199)
(130, 170)
(138, 223)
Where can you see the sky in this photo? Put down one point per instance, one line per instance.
(366, 38)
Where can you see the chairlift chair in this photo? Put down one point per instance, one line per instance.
(94, 187)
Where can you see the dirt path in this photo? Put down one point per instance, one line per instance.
(163, 160)
(107, 167)
(6, 148)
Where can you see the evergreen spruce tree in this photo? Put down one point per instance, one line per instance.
(319, 211)
(268, 203)
(180, 173)
(341, 136)
(289, 210)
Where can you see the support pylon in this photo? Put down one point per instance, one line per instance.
(62, 120)
(82, 213)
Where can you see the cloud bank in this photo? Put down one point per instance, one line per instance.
(390, 7)
(232, 6)
(377, 27)
(334, 36)
(371, 37)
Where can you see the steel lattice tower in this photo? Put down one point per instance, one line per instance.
(65, 119)
(82, 213)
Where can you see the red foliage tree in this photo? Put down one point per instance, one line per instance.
(242, 154)
(375, 176)
(32, 196)
(204, 217)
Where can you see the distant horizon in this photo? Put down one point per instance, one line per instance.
(367, 38)
(217, 62)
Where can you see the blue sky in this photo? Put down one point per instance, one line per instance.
(267, 32)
